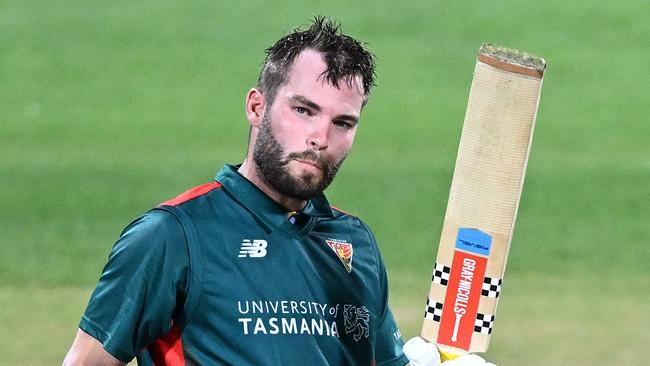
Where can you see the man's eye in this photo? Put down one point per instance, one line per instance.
(343, 124)
(302, 110)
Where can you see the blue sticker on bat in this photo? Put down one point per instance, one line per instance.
(474, 241)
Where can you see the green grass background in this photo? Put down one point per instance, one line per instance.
(107, 108)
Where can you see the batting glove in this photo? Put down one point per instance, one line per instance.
(422, 353)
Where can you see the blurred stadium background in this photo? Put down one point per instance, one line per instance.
(107, 108)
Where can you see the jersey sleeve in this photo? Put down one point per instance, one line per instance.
(142, 286)
(389, 343)
(388, 347)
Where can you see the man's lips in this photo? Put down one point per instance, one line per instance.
(310, 162)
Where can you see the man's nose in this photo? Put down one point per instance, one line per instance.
(318, 138)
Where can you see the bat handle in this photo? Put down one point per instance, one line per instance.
(421, 352)
(446, 354)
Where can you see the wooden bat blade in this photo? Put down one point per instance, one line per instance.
(483, 200)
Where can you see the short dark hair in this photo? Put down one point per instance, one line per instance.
(344, 56)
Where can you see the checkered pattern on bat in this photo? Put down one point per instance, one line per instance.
(433, 310)
(484, 323)
(441, 274)
(491, 287)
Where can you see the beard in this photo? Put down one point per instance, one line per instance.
(272, 165)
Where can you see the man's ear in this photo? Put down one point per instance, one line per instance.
(255, 104)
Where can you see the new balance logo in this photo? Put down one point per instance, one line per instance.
(253, 249)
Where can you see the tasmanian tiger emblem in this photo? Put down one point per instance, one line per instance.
(356, 321)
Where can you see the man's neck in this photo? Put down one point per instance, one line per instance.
(249, 171)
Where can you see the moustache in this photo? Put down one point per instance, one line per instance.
(307, 155)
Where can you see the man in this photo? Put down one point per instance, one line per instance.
(256, 268)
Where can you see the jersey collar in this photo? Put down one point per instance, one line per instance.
(271, 213)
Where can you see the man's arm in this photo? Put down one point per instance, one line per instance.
(87, 351)
(142, 285)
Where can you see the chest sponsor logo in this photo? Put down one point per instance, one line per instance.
(343, 250)
(302, 317)
(253, 248)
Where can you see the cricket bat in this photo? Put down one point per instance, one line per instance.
(483, 201)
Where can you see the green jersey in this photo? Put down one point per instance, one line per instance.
(223, 275)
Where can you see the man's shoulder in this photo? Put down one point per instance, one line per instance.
(340, 214)
(197, 202)
(192, 193)
(343, 214)
(153, 238)
(152, 228)
(354, 223)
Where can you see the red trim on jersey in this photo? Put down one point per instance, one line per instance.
(191, 193)
(168, 350)
(342, 211)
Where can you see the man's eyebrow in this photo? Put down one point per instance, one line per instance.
(349, 118)
(307, 102)
(345, 117)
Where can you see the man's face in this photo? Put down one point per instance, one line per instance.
(307, 132)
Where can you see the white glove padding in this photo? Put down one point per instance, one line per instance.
(422, 353)
(468, 360)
